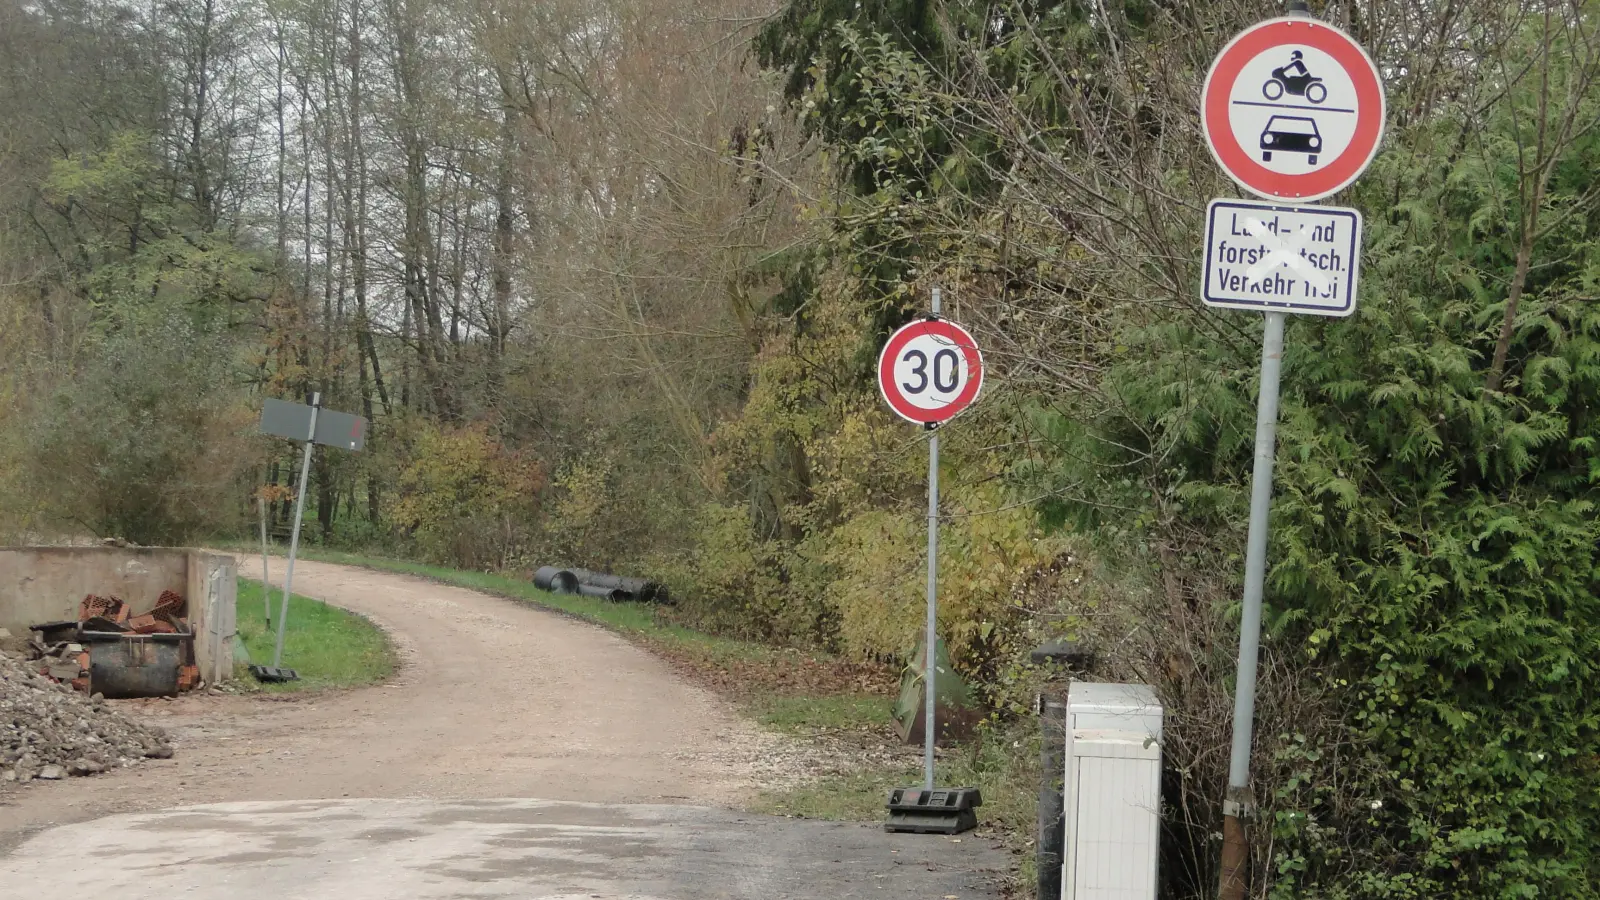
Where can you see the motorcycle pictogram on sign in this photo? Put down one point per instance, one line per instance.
(1295, 79)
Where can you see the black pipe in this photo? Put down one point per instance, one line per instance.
(572, 581)
(556, 580)
(641, 589)
(615, 595)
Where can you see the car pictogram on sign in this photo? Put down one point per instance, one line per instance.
(1293, 134)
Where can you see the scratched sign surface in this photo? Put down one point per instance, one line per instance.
(1300, 259)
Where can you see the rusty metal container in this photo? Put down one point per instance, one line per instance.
(136, 665)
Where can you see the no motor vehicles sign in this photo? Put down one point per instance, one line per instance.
(1293, 109)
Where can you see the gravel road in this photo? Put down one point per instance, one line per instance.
(493, 700)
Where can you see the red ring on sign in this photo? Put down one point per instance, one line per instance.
(1237, 161)
(963, 342)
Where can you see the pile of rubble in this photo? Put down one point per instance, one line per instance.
(49, 731)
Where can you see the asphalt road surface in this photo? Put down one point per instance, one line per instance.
(517, 753)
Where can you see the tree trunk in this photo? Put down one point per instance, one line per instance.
(326, 503)
(1519, 281)
(499, 319)
(366, 346)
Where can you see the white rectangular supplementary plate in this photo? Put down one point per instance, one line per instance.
(1275, 258)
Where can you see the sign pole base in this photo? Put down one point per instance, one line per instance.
(1239, 803)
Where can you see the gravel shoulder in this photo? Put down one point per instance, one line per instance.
(493, 699)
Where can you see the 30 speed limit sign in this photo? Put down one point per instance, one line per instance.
(930, 370)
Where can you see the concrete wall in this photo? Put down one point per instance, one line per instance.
(215, 580)
(46, 584)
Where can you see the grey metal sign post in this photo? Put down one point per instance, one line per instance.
(929, 371)
(294, 535)
(1239, 801)
(313, 425)
(266, 595)
(930, 668)
(1293, 110)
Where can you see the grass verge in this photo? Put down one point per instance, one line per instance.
(630, 618)
(329, 647)
(839, 712)
(1001, 761)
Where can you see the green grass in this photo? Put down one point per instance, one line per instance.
(856, 797)
(329, 647)
(633, 619)
(1002, 763)
(801, 715)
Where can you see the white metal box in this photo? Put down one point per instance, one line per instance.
(1112, 793)
(1113, 707)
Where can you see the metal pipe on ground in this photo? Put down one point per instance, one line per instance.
(641, 589)
(556, 580)
(615, 595)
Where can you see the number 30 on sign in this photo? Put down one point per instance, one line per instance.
(930, 370)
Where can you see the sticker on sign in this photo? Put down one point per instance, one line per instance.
(1301, 259)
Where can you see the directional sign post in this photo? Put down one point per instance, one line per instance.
(313, 425)
(1293, 110)
(929, 371)
(328, 427)
(266, 592)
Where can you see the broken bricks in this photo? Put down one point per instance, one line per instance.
(110, 650)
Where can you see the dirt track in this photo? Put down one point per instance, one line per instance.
(493, 699)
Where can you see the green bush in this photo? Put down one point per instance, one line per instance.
(147, 442)
(466, 498)
(739, 585)
(1435, 553)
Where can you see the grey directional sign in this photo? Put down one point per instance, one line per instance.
(288, 420)
(293, 421)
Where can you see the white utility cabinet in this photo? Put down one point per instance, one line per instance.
(1112, 800)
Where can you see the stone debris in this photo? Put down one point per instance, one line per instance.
(49, 731)
(83, 766)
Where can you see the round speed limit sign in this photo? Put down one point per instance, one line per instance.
(930, 370)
